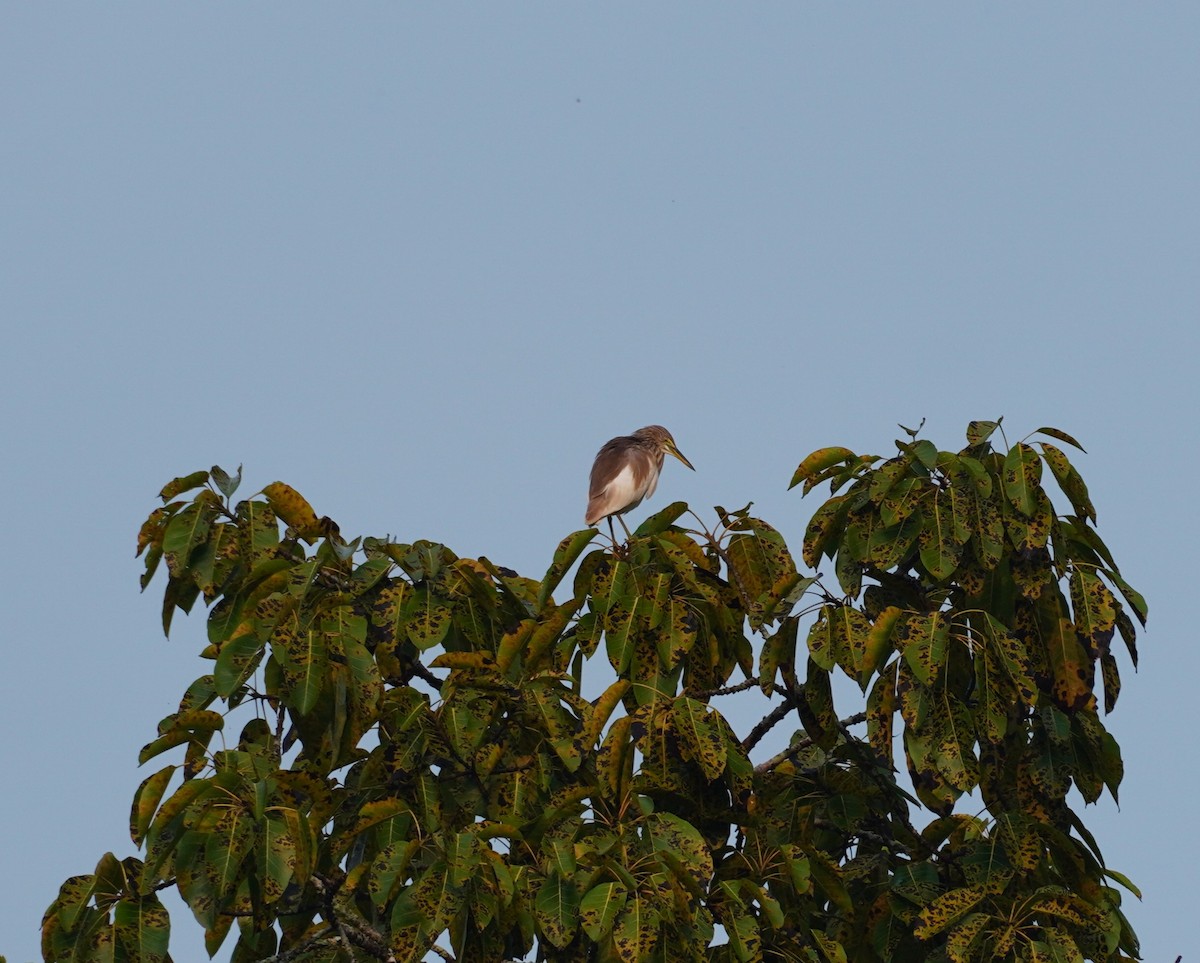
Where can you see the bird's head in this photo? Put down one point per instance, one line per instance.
(660, 438)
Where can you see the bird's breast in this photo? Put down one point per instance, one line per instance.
(625, 490)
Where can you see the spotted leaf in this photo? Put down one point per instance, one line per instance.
(924, 639)
(599, 908)
(810, 469)
(948, 908)
(1022, 478)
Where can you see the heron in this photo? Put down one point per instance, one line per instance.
(626, 472)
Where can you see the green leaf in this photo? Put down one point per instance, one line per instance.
(942, 534)
(924, 639)
(1061, 436)
(701, 738)
(823, 640)
(636, 930)
(276, 858)
(661, 520)
(881, 710)
(1094, 607)
(761, 569)
(1133, 597)
(185, 531)
(143, 927)
(145, 802)
(816, 708)
(291, 506)
(925, 452)
(879, 641)
(1022, 478)
(980, 431)
(429, 619)
(237, 659)
(978, 474)
(303, 658)
(888, 546)
(1070, 666)
(182, 484)
(599, 909)
(1069, 480)
(180, 728)
(224, 482)
(1123, 880)
(824, 529)
(388, 870)
(556, 910)
(963, 936)
(948, 908)
(817, 462)
(569, 549)
(901, 500)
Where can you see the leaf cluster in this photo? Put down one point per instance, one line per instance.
(421, 766)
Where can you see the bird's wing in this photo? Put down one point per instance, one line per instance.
(618, 481)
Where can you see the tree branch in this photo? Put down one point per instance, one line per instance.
(728, 690)
(320, 939)
(773, 718)
(801, 744)
(350, 931)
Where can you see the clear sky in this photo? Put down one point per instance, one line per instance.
(421, 260)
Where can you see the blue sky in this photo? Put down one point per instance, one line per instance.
(421, 260)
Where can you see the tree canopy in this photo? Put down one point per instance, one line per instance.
(401, 754)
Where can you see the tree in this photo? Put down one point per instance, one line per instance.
(423, 767)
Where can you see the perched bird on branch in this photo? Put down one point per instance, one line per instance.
(626, 472)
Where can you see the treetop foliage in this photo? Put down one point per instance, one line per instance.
(424, 764)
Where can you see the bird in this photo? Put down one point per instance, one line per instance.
(626, 472)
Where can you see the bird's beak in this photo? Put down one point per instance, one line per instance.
(675, 451)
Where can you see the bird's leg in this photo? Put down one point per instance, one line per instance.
(628, 533)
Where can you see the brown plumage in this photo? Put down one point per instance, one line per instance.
(626, 472)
